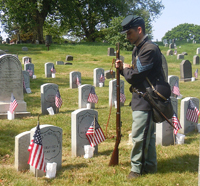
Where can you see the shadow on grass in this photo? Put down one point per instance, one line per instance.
(73, 166)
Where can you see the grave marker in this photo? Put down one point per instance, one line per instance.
(96, 76)
(29, 67)
(26, 59)
(47, 67)
(111, 52)
(185, 71)
(109, 74)
(74, 79)
(195, 60)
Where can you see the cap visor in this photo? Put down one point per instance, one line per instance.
(123, 32)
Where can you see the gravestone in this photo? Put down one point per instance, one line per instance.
(96, 76)
(47, 68)
(26, 82)
(2, 52)
(109, 74)
(83, 93)
(59, 63)
(81, 120)
(24, 49)
(184, 53)
(11, 81)
(195, 60)
(180, 56)
(113, 91)
(111, 52)
(166, 45)
(29, 67)
(26, 59)
(48, 93)
(165, 67)
(74, 79)
(172, 80)
(22, 142)
(171, 45)
(185, 71)
(198, 51)
(69, 58)
(164, 131)
(7, 41)
(67, 63)
(170, 53)
(187, 126)
(52, 145)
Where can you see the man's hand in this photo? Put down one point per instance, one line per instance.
(119, 64)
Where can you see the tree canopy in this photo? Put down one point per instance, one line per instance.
(183, 32)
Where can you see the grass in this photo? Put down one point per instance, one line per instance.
(177, 165)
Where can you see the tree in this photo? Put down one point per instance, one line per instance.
(27, 16)
(184, 31)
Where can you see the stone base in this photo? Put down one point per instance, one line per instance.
(186, 79)
(17, 115)
(21, 107)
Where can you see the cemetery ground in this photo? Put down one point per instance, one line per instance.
(177, 164)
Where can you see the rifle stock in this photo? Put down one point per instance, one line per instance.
(115, 155)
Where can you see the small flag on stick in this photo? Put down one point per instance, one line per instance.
(58, 99)
(176, 123)
(30, 71)
(95, 134)
(78, 81)
(53, 70)
(122, 96)
(196, 73)
(92, 98)
(13, 103)
(102, 78)
(175, 89)
(192, 112)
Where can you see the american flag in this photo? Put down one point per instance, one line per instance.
(176, 123)
(102, 78)
(196, 73)
(175, 89)
(30, 71)
(13, 103)
(58, 99)
(122, 96)
(192, 112)
(36, 156)
(53, 70)
(92, 98)
(95, 136)
(78, 81)
(27, 60)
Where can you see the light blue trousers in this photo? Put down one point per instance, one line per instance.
(143, 154)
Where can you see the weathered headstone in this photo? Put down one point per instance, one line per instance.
(22, 142)
(26, 81)
(83, 93)
(11, 81)
(170, 52)
(111, 52)
(172, 80)
(195, 60)
(171, 45)
(48, 93)
(109, 74)
(164, 131)
(69, 58)
(198, 51)
(180, 56)
(52, 145)
(97, 73)
(166, 45)
(74, 79)
(81, 120)
(24, 49)
(29, 67)
(47, 67)
(59, 63)
(185, 71)
(26, 59)
(113, 91)
(187, 126)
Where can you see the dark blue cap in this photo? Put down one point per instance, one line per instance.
(131, 21)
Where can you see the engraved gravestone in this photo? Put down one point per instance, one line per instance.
(98, 72)
(171, 45)
(52, 145)
(170, 53)
(187, 126)
(109, 74)
(113, 91)
(26, 59)
(59, 63)
(81, 120)
(26, 83)
(29, 67)
(11, 81)
(83, 93)
(48, 93)
(180, 56)
(185, 71)
(22, 142)
(172, 80)
(69, 58)
(111, 52)
(195, 60)
(47, 67)
(164, 131)
(74, 79)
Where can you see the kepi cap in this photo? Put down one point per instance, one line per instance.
(131, 21)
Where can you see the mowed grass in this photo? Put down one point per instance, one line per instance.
(177, 164)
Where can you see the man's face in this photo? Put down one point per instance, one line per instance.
(133, 35)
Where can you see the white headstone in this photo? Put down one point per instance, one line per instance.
(26, 59)
(30, 68)
(26, 83)
(198, 51)
(47, 67)
(98, 72)
(74, 79)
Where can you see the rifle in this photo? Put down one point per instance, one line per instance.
(115, 155)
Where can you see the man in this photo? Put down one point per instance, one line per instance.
(146, 62)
